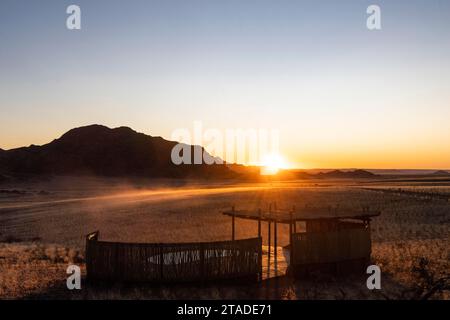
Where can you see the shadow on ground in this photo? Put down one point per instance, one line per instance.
(279, 288)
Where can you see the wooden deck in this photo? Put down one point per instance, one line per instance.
(274, 268)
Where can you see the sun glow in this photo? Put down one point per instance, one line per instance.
(272, 163)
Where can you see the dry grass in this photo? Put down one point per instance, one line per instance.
(30, 268)
(407, 231)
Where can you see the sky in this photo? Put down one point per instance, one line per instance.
(341, 96)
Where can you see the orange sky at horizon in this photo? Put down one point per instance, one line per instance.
(294, 156)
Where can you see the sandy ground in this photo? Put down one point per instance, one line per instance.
(42, 229)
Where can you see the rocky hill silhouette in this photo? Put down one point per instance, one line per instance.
(101, 151)
(339, 174)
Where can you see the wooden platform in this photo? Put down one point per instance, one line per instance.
(303, 214)
(335, 237)
(274, 267)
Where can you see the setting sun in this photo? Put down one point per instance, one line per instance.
(272, 163)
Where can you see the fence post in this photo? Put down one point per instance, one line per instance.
(259, 223)
(291, 253)
(232, 224)
(275, 254)
(295, 222)
(260, 259)
(268, 251)
(117, 262)
(161, 262)
(269, 234)
(202, 262)
(91, 239)
(88, 258)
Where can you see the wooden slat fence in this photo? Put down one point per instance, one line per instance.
(332, 246)
(418, 194)
(174, 262)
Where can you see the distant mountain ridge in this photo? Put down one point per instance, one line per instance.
(101, 151)
(441, 173)
(359, 174)
(331, 174)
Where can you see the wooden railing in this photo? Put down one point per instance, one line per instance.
(173, 262)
